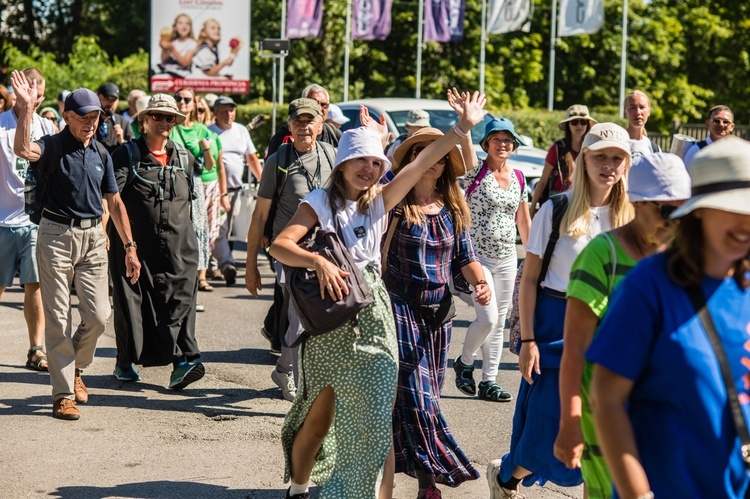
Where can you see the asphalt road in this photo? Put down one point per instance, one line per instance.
(219, 438)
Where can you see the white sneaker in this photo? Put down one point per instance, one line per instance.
(496, 491)
(285, 381)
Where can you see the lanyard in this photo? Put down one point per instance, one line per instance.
(312, 183)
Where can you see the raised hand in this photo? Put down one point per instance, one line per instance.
(369, 122)
(473, 107)
(26, 91)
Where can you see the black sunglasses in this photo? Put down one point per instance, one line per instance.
(665, 210)
(187, 100)
(578, 122)
(169, 118)
(201, 109)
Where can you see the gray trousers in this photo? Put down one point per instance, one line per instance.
(289, 356)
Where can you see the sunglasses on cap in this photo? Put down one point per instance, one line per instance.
(419, 149)
(665, 210)
(169, 118)
(186, 100)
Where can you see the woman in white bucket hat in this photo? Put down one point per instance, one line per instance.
(659, 393)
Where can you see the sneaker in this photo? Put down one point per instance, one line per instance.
(496, 490)
(65, 409)
(126, 373)
(200, 308)
(304, 495)
(79, 389)
(285, 381)
(230, 275)
(274, 347)
(186, 373)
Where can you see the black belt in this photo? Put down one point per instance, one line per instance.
(84, 223)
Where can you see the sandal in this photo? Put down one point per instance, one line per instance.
(36, 359)
(490, 390)
(203, 285)
(464, 377)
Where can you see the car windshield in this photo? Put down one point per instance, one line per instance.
(441, 119)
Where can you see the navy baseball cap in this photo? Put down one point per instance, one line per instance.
(109, 89)
(82, 101)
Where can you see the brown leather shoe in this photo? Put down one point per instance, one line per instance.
(65, 409)
(82, 395)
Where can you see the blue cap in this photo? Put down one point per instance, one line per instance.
(499, 125)
(82, 101)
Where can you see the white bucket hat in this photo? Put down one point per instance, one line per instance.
(361, 142)
(720, 175)
(660, 176)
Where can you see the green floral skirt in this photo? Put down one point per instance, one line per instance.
(362, 368)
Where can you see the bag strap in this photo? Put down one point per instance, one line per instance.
(389, 236)
(49, 167)
(482, 172)
(521, 179)
(700, 304)
(134, 159)
(613, 255)
(559, 207)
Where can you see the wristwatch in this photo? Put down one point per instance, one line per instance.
(131, 244)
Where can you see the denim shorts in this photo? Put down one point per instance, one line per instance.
(18, 252)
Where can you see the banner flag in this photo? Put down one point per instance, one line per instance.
(371, 19)
(509, 15)
(304, 18)
(444, 20)
(580, 17)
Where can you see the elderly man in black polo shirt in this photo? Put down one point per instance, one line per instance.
(71, 244)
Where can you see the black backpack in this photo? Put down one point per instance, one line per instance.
(39, 173)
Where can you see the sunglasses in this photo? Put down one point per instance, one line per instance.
(665, 210)
(717, 121)
(578, 122)
(186, 100)
(419, 149)
(169, 118)
(201, 109)
(324, 105)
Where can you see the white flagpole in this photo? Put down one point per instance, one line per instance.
(623, 57)
(348, 42)
(281, 65)
(420, 34)
(482, 57)
(553, 33)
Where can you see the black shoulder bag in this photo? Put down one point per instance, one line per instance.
(700, 304)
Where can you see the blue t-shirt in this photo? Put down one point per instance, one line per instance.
(80, 179)
(678, 407)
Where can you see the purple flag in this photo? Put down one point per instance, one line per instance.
(304, 18)
(444, 20)
(371, 19)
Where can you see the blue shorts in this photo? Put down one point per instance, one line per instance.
(18, 252)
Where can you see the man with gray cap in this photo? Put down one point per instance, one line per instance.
(75, 174)
(308, 163)
(415, 120)
(114, 130)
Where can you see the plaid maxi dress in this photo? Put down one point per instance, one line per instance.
(421, 260)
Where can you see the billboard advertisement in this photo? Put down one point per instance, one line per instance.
(201, 44)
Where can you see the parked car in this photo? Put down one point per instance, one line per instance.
(528, 159)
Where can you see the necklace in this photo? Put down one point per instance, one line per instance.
(635, 240)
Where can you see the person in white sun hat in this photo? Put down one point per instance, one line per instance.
(666, 409)
(348, 377)
(336, 116)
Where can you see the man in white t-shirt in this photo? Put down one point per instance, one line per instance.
(130, 113)
(720, 124)
(17, 233)
(237, 149)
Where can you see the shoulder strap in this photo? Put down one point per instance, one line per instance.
(389, 237)
(134, 158)
(700, 304)
(482, 172)
(559, 207)
(521, 179)
(282, 171)
(327, 154)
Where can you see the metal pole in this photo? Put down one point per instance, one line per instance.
(420, 34)
(348, 42)
(623, 56)
(273, 95)
(482, 57)
(553, 33)
(281, 66)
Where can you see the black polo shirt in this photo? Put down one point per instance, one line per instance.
(80, 179)
(110, 140)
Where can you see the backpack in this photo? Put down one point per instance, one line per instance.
(559, 207)
(281, 176)
(134, 161)
(549, 189)
(39, 173)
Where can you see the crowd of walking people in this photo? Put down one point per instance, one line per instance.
(631, 310)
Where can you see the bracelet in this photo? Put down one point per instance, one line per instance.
(480, 282)
(528, 341)
(457, 130)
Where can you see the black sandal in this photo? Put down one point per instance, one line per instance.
(464, 377)
(203, 285)
(35, 363)
(490, 390)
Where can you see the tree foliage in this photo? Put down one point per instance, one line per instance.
(686, 54)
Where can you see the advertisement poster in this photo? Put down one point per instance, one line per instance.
(201, 44)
